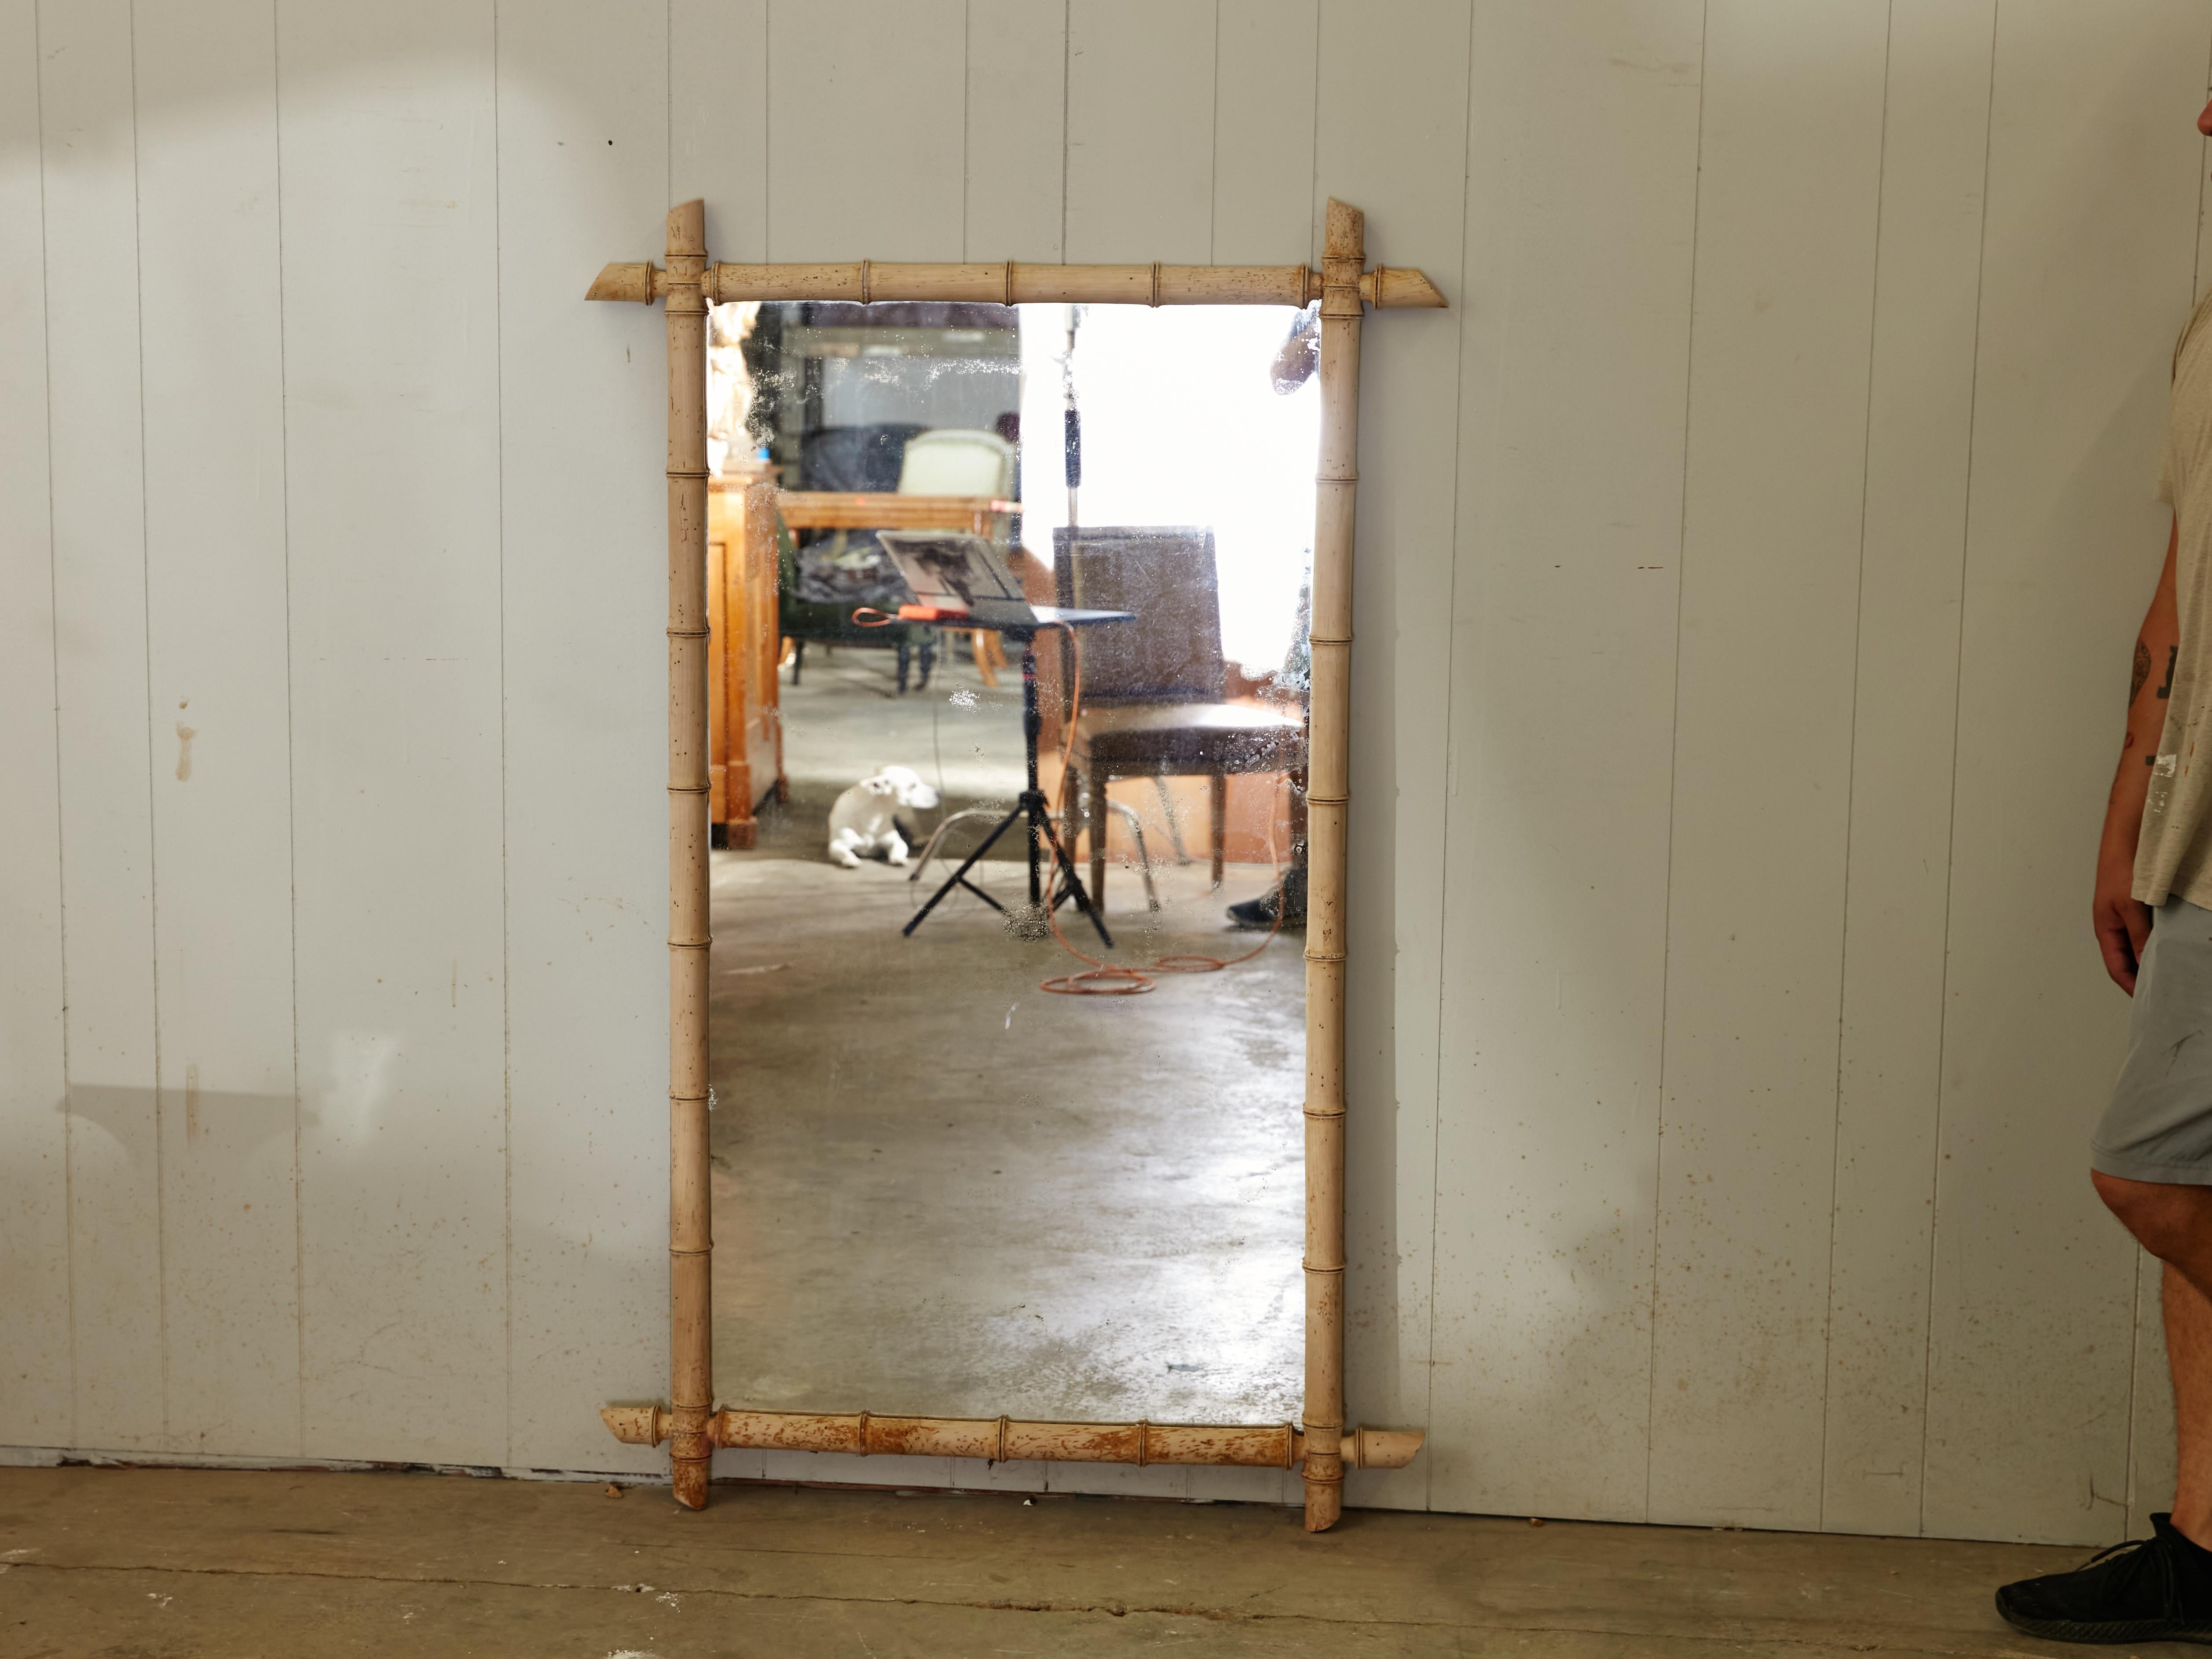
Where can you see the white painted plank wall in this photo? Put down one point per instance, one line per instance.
(1014, 204)
(219, 721)
(717, 114)
(2089, 255)
(36, 1408)
(392, 421)
(840, 187)
(1581, 167)
(584, 154)
(1685, 531)
(1141, 76)
(1266, 65)
(1789, 174)
(1905, 691)
(96, 477)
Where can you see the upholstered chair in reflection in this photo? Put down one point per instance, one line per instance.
(1153, 703)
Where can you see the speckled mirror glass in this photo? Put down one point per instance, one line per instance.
(1011, 610)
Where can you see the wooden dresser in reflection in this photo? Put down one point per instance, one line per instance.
(744, 721)
(745, 725)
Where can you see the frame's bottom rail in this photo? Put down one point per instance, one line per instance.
(863, 1434)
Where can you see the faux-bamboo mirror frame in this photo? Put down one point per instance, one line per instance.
(690, 285)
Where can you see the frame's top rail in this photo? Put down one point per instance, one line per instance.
(1014, 282)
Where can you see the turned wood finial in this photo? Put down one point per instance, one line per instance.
(1396, 286)
(624, 282)
(1344, 235)
(687, 228)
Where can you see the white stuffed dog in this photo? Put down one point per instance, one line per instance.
(863, 822)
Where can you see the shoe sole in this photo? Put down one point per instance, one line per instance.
(2110, 1631)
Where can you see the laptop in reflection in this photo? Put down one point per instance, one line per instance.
(957, 574)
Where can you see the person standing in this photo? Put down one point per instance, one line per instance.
(1297, 361)
(2151, 1153)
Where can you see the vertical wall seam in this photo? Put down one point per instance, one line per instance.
(1451, 658)
(291, 736)
(1951, 829)
(1213, 155)
(1066, 113)
(768, 131)
(1852, 759)
(146, 626)
(668, 134)
(53, 630)
(1312, 169)
(967, 122)
(506, 854)
(1674, 761)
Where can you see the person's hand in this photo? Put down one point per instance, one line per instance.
(2123, 924)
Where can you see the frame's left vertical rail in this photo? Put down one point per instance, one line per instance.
(691, 1249)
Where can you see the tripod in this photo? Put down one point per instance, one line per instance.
(1031, 807)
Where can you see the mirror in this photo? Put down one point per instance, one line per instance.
(1006, 1016)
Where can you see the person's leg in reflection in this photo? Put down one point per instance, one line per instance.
(1295, 359)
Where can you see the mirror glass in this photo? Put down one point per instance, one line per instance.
(1011, 608)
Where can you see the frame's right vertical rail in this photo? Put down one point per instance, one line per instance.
(1328, 798)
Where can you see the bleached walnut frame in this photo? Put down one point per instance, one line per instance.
(689, 285)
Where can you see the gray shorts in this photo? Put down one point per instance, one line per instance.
(2159, 1126)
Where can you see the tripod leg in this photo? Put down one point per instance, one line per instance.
(983, 895)
(959, 878)
(1075, 888)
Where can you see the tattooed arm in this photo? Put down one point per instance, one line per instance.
(2122, 924)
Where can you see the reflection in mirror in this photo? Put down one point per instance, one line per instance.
(1007, 1014)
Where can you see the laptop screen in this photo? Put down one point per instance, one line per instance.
(956, 571)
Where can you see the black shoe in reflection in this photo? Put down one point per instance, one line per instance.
(1258, 914)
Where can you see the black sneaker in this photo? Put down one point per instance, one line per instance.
(2148, 1589)
(1257, 915)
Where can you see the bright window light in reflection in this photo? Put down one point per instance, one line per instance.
(1181, 425)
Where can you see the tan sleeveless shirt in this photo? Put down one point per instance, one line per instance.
(2174, 855)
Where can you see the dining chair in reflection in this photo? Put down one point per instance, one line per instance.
(1154, 702)
(964, 461)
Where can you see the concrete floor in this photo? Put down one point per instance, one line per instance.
(941, 1190)
(163, 1564)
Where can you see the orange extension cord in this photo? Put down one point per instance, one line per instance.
(1107, 978)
